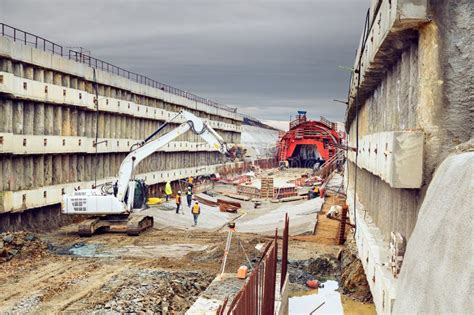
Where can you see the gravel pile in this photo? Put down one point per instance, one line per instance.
(153, 291)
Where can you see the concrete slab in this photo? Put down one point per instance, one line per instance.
(221, 287)
(302, 219)
(210, 219)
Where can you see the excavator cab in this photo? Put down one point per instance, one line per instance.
(140, 194)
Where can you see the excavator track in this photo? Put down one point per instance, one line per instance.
(88, 227)
(138, 223)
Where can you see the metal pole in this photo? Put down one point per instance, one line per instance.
(226, 251)
(96, 127)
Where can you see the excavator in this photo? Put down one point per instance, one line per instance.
(116, 205)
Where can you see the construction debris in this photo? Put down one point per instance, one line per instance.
(21, 244)
(322, 268)
(228, 205)
(153, 291)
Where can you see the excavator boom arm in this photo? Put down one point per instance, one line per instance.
(192, 122)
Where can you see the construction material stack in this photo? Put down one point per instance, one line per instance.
(266, 190)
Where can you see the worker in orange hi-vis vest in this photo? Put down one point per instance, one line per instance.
(196, 210)
(178, 201)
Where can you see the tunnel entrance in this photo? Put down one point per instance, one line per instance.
(304, 155)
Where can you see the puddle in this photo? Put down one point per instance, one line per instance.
(156, 251)
(86, 250)
(79, 249)
(326, 300)
(352, 307)
(147, 251)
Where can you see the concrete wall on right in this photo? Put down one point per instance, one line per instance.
(425, 86)
(413, 75)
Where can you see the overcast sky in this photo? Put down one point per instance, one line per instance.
(268, 58)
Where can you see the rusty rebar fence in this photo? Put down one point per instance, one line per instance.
(39, 42)
(284, 252)
(257, 296)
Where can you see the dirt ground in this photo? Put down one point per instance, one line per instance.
(47, 277)
(161, 271)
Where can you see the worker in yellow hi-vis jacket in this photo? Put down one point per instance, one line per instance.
(168, 190)
(196, 211)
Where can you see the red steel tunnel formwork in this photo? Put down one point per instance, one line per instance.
(308, 141)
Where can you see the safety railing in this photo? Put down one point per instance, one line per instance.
(331, 165)
(328, 123)
(30, 39)
(41, 43)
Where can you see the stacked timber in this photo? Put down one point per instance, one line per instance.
(266, 189)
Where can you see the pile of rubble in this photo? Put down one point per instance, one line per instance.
(21, 244)
(320, 268)
(153, 291)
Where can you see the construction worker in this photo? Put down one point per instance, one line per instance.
(315, 191)
(178, 201)
(168, 190)
(196, 210)
(190, 182)
(189, 196)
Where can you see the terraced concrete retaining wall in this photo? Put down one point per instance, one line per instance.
(415, 79)
(48, 126)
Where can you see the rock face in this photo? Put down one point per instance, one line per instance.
(353, 279)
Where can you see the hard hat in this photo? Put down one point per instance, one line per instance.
(179, 192)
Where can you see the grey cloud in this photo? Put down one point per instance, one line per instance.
(269, 58)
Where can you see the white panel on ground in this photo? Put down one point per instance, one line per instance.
(210, 219)
(303, 218)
